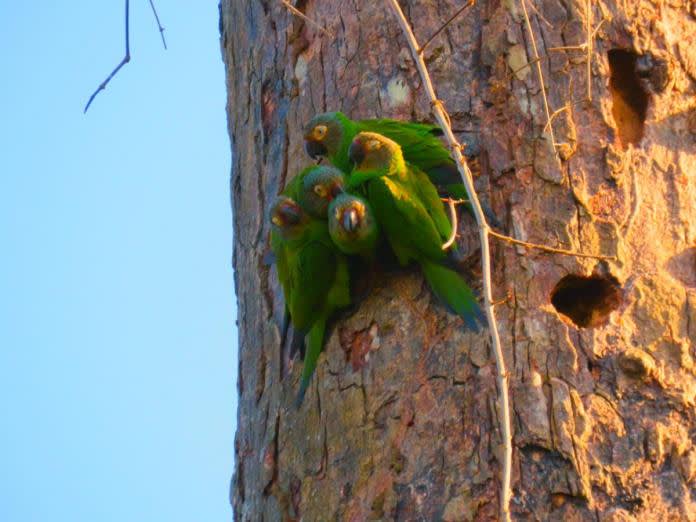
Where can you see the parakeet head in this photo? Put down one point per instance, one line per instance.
(320, 186)
(372, 151)
(352, 224)
(324, 134)
(288, 218)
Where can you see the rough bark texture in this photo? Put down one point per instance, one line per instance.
(400, 422)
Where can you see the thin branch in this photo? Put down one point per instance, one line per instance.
(545, 248)
(580, 47)
(539, 73)
(588, 25)
(583, 45)
(566, 107)
(294, 10)
(508, 297)
(540, 16)
(528, 64)
(127, 56)
(599, 26)
(588, 45)
(455, 201)
(123, 62)
(444, 26)
(159, 25)
(455, 225)
(527, 244)
(484, 229)
(554, 114)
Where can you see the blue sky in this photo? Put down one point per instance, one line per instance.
(117, 310)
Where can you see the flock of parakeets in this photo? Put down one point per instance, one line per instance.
(385, 184)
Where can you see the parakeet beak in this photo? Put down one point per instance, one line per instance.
(336, 190)
(351, 220)
(290, 214)
(314, 149)
(356, 152)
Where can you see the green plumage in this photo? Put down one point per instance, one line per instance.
(418, 141)
(294, 186)
(320, 185)
(313, 275)
(353, 226)
(412, 217)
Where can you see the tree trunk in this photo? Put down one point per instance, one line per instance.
(400, 421)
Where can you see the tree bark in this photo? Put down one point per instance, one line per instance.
(400, 422)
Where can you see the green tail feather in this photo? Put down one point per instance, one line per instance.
(453, 291)
(315, 341)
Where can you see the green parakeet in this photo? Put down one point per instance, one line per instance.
(294, 190)
(408, 208)
(320, 185)
(321, 190)
(313, 275)
(353, 226)
(295, 186)
(330, 134)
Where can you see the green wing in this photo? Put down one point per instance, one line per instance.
(405, 220)
(312, 277)
(430, 199)
(350, 130)
(453, 291)
(279, 249)
(418, 141)
(294, 186)
(323, 288)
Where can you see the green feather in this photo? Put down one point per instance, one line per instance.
(315, 341)
(418, 141)
(452, 290)
(361, 240)
(312, 272)
(412, 217)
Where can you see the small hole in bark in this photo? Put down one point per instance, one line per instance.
(629, 98)
(587, 301)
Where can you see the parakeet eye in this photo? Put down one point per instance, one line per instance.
(374, 145)
(276, 221)
(319, 190)
(319, 132)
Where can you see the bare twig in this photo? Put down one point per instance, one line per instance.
(514, 73)
(508, 297)
(444, 26)
(527, 244)
(455, 225)
(554, 114)
(540, 74)
(123, 62)
(159, 25)
(588, 25)
(127, 56)
(580, 47)
(545, 248)
(587, 46)
(294, 10)
(455, 201)
(484, 229)
(599, 26)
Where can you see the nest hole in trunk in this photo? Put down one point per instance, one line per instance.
(587, 301)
